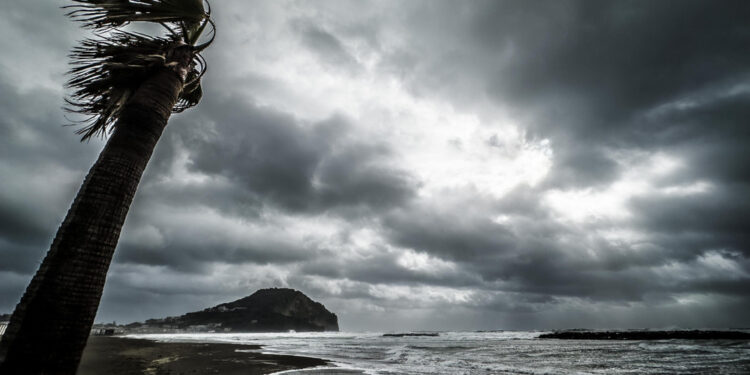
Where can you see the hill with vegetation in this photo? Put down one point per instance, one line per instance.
(267, 310)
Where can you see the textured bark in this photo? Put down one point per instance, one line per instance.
(51, 323)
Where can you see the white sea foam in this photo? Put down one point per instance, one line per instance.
(501, 352)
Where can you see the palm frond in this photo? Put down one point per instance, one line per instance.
(192, 92)
(107, 71)
(198, 48)
(107, 14)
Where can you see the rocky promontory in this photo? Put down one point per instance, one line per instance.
(267, 310)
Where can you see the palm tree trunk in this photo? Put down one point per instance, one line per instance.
(49, 327)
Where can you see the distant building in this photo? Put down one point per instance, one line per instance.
(3, 327)
(106, 330)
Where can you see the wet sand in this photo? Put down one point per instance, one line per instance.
(120, 356)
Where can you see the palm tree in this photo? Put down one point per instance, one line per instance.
(128, 84)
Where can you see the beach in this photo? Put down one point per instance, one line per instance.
(474, 353)
(117, 355)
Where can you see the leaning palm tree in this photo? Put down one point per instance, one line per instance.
(128, 84)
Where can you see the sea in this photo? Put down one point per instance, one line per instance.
(496, 352)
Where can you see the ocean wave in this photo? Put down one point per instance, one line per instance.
(498, 352)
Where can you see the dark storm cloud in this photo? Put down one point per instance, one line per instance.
(458, 236)
(18, 225)
(327, 47)
(41, 165)
(582, 73)
(582, 166)
(19, 258)
(32, 128)
(691, 226)
(11, 289)
(300, 167)
(613, 58)
(257, 158)
(532, 255)
(710, 132)
(384, 266)
(190, 257)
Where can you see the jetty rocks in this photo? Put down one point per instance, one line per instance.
(412, 334)
(267, 310)
(647, 335)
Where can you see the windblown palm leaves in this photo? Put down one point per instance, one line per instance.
(108, 69)
(129, 83)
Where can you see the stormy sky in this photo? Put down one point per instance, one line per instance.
(417, 165)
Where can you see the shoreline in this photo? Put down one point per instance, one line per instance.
(117, 355)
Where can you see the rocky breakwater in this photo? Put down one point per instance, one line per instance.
(412, 334)
(647, 335)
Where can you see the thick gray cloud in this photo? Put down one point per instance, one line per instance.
(300, 167)
(427, 165)
(590, 76)
(327, 47)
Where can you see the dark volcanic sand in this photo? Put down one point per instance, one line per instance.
(120, 356)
